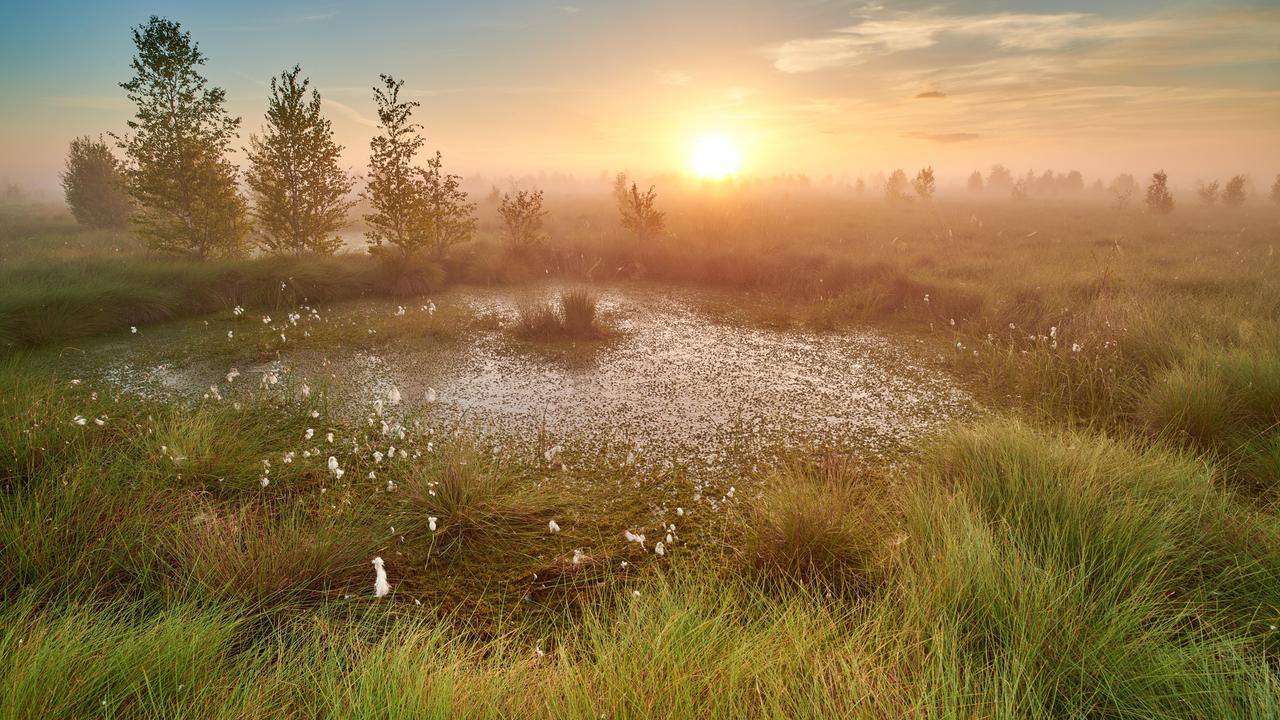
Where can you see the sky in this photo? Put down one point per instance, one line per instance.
(801, 86)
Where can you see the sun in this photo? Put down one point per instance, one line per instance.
(714, 158)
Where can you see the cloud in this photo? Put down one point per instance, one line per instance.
(954, 137)
(904, 31)
(931, 95)
(673, 77)
(570, 9)
(350, 112)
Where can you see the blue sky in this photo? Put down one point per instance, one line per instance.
(806, 86)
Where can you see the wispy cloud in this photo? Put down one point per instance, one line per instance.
(350, 112)
(931, 95)
(570, 9)
(951, 137)
(904, 31)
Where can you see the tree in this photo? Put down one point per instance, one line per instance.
(638, 210)
(1208, 193)
(895, 188)
(177, 173)
(523, 213)
(1123, 188)
(299, 191)
(93, 185)
(394, 189)
(924, 184)
(1019, 190)
(1275, 191)
(445, 218)
(999, 178)
(1233, 193)
(975, 181)
(1159, 199)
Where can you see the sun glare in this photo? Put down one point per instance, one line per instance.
(714, 158)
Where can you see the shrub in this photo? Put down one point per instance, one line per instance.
(93, 185)
(523, 214)
(895, 188)
(639, 212)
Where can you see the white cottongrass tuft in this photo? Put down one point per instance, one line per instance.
(393, 395)
(429, 395)
(80, 420)
(380, 585)
(431, 523)
(553, 526)
(660, 548)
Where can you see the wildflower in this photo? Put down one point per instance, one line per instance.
(377, 456)
(380, 585)
(431, 523)
(660, 548)
(333, 467)
(633, 537)
(553, 526)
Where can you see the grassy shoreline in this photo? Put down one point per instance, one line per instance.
(1107, 544)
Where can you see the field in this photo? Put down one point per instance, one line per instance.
(1092, 531)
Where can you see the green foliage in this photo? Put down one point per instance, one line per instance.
(299, 191)
(177, 171)
(522, 214)
(93, 185)
(415, 209)
(1159, 199)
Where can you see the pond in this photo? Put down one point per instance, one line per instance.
(676, 375)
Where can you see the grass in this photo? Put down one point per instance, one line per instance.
(1102, 543)
(571, 317)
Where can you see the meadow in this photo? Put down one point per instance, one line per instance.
(1101, 538)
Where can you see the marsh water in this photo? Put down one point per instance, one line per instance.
(676, 372)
